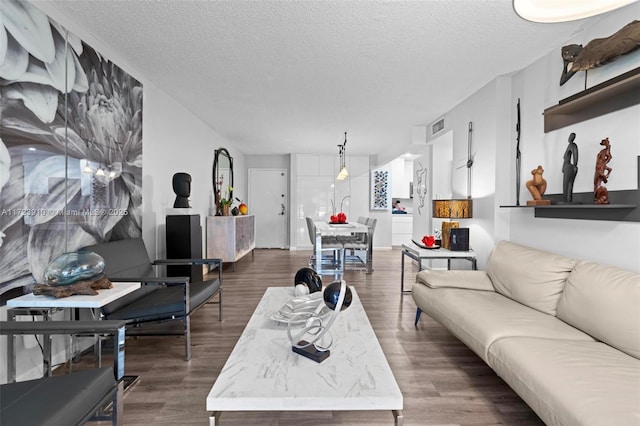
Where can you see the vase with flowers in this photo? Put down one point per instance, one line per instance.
(226, 202)
(223, 203)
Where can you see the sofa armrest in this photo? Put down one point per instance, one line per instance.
(469, 280)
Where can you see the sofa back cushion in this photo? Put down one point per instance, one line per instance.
(529, 276)
(604, 301)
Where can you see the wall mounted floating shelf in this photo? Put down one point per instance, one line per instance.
(621, 212)
(576, 206)
(624, 207)
(620, 92)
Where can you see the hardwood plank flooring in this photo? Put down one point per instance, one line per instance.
(442, 381)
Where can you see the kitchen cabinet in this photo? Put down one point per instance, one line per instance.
(317, 194)
(401, 228)
(401, 177)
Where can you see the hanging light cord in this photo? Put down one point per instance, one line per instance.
(342, 152)
(469, 161)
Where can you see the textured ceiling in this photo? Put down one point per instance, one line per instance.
(292, 76)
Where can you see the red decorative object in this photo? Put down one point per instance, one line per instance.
(429, 240)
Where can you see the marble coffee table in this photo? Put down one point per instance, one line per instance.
(264, 374)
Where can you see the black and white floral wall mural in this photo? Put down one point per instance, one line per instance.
(70, 146)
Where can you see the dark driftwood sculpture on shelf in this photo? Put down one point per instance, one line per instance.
(569, 169)
(87, 287)
(603, 171)
(518, 154)
(599, 51)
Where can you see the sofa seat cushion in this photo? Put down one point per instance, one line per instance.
(479, 318)
(604, 301)
(570, 382)
(470, 280)
(46, 401)
(165, 302)
(530, 276)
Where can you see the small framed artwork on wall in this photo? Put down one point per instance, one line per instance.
(380, 190)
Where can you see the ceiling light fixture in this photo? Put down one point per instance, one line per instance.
(548, 11)
(343, 163)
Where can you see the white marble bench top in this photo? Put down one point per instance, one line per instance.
(264, 374)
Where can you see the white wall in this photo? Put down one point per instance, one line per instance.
(615, 243)
(177, 141)
(422, 214)
(481, 110)
(268, 161)
(493, 112)
(174, 140)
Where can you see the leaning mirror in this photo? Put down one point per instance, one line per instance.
(222, 179)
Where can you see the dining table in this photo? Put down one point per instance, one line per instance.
(326, 229)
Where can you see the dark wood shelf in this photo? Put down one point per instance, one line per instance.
(621, 212)
(576, 206)
(624, 206)
(612, 95)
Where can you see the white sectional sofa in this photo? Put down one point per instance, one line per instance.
(563, 333)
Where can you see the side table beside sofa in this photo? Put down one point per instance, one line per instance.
(563, 333)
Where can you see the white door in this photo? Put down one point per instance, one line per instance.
(268, 202)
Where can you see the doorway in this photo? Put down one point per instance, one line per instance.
(268, 202)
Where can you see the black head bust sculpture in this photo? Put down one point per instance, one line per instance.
(182, 188)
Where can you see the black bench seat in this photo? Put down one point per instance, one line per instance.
(68, 399)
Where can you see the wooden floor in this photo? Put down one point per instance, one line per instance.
(442, 381)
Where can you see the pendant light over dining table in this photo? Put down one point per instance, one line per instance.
(343, 163)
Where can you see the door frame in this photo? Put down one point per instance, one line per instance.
(287, 218)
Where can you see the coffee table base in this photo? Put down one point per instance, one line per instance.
(397, 418)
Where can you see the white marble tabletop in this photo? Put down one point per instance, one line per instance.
(264, 374)
(103, 297)
(326, 228)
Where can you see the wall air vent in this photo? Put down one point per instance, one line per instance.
(438, 126)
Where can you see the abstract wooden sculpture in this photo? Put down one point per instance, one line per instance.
(569, 169)
(537, 187)
(603, 171)
(599, 51)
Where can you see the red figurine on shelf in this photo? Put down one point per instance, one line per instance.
(602, 173)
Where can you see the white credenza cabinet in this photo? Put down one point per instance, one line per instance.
(230, 237)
